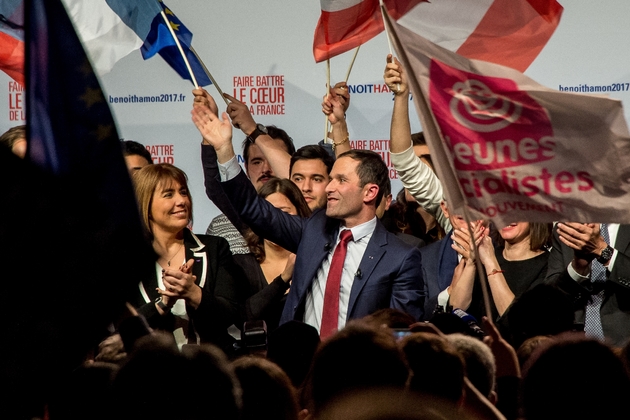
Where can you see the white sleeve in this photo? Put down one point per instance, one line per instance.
(443, 297)
(229, 169)
(422, 184)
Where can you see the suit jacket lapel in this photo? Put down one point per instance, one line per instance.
(374, 252)
(147, 288)
(447, 262)
(623, 238)
(319, 249)
(196, 249)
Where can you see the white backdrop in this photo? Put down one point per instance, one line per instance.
(242, 38)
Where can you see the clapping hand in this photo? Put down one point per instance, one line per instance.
(180, 284)
(462, 243)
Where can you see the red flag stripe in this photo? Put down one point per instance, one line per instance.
(343, 30)
(513, 32)
(12, 57)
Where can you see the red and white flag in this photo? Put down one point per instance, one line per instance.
(507, 32)
(346, 24)
(509, 149)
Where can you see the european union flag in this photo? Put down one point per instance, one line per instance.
(145, 18)
(71, 128)
(93, 252)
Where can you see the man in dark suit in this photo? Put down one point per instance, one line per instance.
(601, 304)
(379, 270)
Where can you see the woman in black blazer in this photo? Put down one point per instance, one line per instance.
(197, 287)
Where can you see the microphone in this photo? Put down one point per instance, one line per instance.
(358, 273)
(327, 246)
(470, 320)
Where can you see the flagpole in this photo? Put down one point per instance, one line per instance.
(483, 277)
(389, 42)
(327, 91)
(181, 50)
(214, 82)
(431, 131)
(354, 57)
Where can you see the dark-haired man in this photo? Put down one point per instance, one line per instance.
(257, 166)
(136, 156)
(372, 270)
(309, 170)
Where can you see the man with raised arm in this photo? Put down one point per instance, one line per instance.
(347, 264)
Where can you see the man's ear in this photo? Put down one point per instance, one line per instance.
(370, 191)
(444, 208)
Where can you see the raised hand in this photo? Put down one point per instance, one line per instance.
(240, 115)
(333, 109)
(395, 77)
(202, 97)
(216, 131)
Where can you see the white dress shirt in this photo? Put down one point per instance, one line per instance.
(356, 248)
(315, 298)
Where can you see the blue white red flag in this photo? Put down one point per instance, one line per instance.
(71, 131)
(507, 32)
(80, 201)
(12, 39)
(145, 18)
(346, 24)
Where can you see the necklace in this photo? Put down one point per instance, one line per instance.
(168, 262)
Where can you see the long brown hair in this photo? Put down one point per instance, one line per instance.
(287, 188)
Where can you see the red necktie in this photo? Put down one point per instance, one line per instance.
(330, 311)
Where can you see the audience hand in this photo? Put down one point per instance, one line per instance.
(462, 241)
(202, 97)
(180, 284)
(287, 274)
(216, 131)
(240, 115)
(584, 238)
(333, 109)
(504, 353)
(111, 350)
(486, 250)
(395, 77)
(342, 94)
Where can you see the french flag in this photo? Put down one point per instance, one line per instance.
(112, 29)
(12, 39)
(507, 32)
(346, 24)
